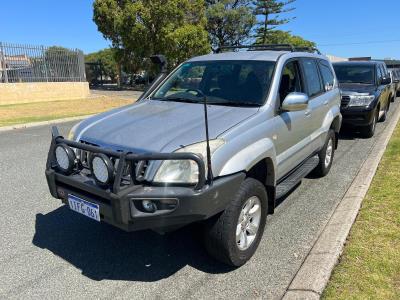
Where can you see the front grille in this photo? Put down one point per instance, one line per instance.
(139, 167)
(84, 156)
(345, 101)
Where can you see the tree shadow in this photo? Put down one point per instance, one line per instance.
(104, 252)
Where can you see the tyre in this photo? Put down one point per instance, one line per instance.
(232, 237)
(326, 156)
(369, 131)
(385, 112)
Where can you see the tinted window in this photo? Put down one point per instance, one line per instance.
(385, 70)
(312, 77)
(290, 81)
(327, 75)
(355, 73)
(380, 73)
(223, 82)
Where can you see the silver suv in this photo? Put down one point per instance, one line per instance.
(216, 141)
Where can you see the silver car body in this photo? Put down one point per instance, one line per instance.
(251, 134)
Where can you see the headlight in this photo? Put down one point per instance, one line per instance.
(361, 100)
(65, 158)
(71, 134)
(102, 168)
(186, 171)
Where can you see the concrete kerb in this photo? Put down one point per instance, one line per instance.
(35, 124)
(314, 273)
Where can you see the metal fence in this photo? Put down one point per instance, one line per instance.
(27, 63)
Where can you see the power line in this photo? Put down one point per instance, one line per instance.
(360, 43)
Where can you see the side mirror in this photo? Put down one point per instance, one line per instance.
(295, 102)
(160, 60)
(386, 80)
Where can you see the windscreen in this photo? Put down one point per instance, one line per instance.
(235, 83)
(355, 74)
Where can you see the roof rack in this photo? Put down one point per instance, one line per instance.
(268, 47)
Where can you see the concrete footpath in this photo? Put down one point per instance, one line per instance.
(313, 275)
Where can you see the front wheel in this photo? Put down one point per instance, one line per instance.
(369, 130)
(233, 236)
(326, 155)
(385, 113)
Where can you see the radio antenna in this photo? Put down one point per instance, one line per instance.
(209, 169)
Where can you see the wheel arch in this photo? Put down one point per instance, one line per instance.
(335, 126)
(264, 171)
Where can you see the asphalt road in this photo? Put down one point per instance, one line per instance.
(48, 251)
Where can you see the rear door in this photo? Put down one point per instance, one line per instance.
(319, 100)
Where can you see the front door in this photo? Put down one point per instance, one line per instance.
(292, 129)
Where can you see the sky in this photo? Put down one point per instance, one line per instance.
(345, 28)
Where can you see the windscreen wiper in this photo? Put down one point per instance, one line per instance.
(232, 103)
(179, 99)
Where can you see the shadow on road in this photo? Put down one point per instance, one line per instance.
(104, 252)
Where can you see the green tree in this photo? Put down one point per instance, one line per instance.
(284, 37)
(141, 28)
(269, 13)
(106, 58)
(229, 22)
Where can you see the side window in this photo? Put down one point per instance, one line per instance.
(312, 77)
(327, 75)
(379, 75)
(385, 71)
(291, 80)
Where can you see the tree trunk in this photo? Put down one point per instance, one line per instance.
(264, 39)
(119, 74)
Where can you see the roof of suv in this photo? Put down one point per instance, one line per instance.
(245, 55)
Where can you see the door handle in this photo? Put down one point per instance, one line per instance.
(326, 102)
(307, 112)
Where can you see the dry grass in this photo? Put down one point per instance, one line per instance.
(370, 265)
(43, 111)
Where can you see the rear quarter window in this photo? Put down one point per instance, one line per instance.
(312, 77)
(327, 75)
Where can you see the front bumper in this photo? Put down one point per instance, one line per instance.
(357, 116)
(121, 209)
(121, 204)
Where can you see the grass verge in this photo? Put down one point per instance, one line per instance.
(370, 265)
(45, 111)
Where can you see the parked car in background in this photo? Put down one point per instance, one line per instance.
(366, 94)
(218, 141)
(393, 85)
(396, 80)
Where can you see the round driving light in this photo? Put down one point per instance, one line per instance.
(102, 168)
(65, 158)
(149, 206)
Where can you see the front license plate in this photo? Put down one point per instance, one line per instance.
(84, 207)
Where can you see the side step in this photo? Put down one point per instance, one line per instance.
(293, 179)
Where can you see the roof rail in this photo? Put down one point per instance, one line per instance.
(268, 47)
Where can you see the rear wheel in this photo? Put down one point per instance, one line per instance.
(233, 236)
(326, 155)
